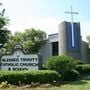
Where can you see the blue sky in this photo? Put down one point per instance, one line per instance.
(46, 14)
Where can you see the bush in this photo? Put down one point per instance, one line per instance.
(61, 64)
(77, 62)
(83, 68)
(71, 75)
(26, 77)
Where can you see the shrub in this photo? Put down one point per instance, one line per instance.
(71, 75)
(83, 68)
(26, 77)
(77, 62)
(61, 64)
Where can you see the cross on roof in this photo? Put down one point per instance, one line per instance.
(71, 12)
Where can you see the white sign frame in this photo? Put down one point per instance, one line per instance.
(20, 61)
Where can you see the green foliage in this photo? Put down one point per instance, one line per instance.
(31, 40)
(28, 46)
(77, 62)
(4, 33)
(64, 65)
(83, 68)
(26, 77)
(37, 37)
(71, 75)
(61, 64)
(88, 39)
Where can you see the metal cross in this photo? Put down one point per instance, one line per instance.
(73, 43)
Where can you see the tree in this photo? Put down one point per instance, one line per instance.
(4, 33)
(14, 39)
(88, 39)
(32, 40)
(37, 37)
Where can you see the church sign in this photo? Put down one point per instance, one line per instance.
(20, 61)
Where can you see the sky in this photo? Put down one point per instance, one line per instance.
(46, 15)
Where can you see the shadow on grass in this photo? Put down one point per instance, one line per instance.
(79, 82)
(86, 77)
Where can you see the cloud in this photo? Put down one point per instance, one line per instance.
(48, 24)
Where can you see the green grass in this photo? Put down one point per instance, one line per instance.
(78, 85)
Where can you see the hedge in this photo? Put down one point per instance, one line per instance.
(71, 75)
(83, 68)
(26, 77)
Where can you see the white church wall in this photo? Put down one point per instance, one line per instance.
(53, 37)
(45, 52)
(84, 52)
(62, 38)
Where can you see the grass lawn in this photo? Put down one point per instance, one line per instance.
(78, 85)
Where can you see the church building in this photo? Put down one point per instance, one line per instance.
(66, 42)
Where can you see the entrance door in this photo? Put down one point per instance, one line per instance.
(54, 48)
